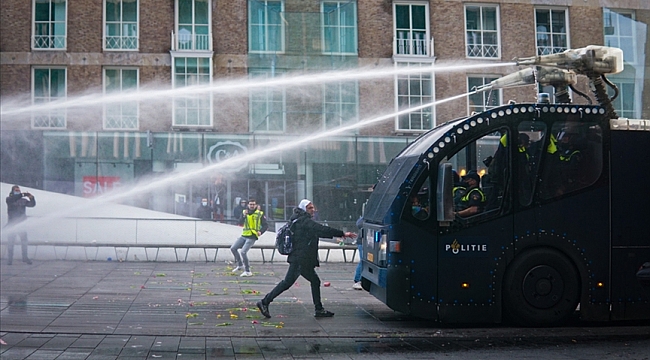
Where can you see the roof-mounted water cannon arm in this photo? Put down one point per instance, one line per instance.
(589, 60)
(519, 78)
(547, 75)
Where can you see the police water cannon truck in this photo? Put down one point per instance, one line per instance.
(553, 231)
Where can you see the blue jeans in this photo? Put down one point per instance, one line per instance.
(357, 273)
(244, 244)
(295, 270)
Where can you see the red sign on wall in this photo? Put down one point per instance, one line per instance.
(97, 185)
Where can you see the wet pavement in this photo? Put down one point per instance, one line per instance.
(196, 310)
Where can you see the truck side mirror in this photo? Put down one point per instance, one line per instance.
(445, 201)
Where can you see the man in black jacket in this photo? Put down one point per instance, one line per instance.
(304, 257)
(17, 201)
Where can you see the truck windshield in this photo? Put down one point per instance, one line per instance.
(388, 188)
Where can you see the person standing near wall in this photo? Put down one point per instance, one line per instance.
(17, 201)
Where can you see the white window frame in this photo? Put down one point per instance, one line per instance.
(482, 48)
(191, 97)
(266, 25)
(197, 42)
(121, 39)
(552, 49)
(613, 15)
(485, 95)
(121, 104)
(49, 98)
(338, 27)
(409, 78)
(635, 111)
(257, 75)
(53, 38)
(400, 44)
(341, 100)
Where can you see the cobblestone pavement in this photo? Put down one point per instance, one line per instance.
(194, 310)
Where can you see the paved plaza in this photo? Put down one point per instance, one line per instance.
(198, 310)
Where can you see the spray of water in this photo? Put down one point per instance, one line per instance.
(147, 185)
(12, 108)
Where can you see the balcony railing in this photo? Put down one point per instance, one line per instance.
(191, 42)
(48, 42)
(483, 51)
(405, 44)
(121, 42)
(117, 122)
(547, 50)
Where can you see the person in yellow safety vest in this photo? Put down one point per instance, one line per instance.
(255, 225)
(474, 201)
(459, 190)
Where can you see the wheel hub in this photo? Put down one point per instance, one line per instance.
(543, 287)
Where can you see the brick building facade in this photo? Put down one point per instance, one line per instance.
(159, 48)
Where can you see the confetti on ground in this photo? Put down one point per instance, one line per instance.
(160, 275)
(191, 315)
(224, 324)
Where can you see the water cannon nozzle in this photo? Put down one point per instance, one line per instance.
(519, 78)
(588, 60)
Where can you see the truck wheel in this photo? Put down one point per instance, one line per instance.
(540, 288)
(365, 284)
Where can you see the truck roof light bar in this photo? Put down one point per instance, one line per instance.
(629, 124)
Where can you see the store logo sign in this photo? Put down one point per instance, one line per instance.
(223, 151)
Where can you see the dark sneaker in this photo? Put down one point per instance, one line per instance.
(323, 313)
(264, 309)
(27, 261)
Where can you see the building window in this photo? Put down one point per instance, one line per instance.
(267, 105)
(411, 29)
(551, 31)
(121, 28)
(414, 89)
(625, 102)
(49, 24)
(483, 100)
(193, 25)
(340, 104)
(339, 27)
(192, 109)
(266, 27)
(482, 29)
(620, 32)
(49, 85)
(123, 114)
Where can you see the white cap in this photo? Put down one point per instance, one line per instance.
(303, 204)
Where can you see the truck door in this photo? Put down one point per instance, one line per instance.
(471, 247)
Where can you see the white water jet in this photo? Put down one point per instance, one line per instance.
(141, 186)
(18, 107)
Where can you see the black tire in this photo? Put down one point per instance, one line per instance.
(541, 287)
(365, 284)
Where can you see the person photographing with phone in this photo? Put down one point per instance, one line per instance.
(17, 202)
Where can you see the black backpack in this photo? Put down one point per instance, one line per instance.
(284, 237)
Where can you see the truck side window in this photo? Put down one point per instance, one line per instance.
(529, 151)
(574, 158)
(483, 169)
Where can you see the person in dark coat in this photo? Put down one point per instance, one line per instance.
(304, 258)
(17, 201)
